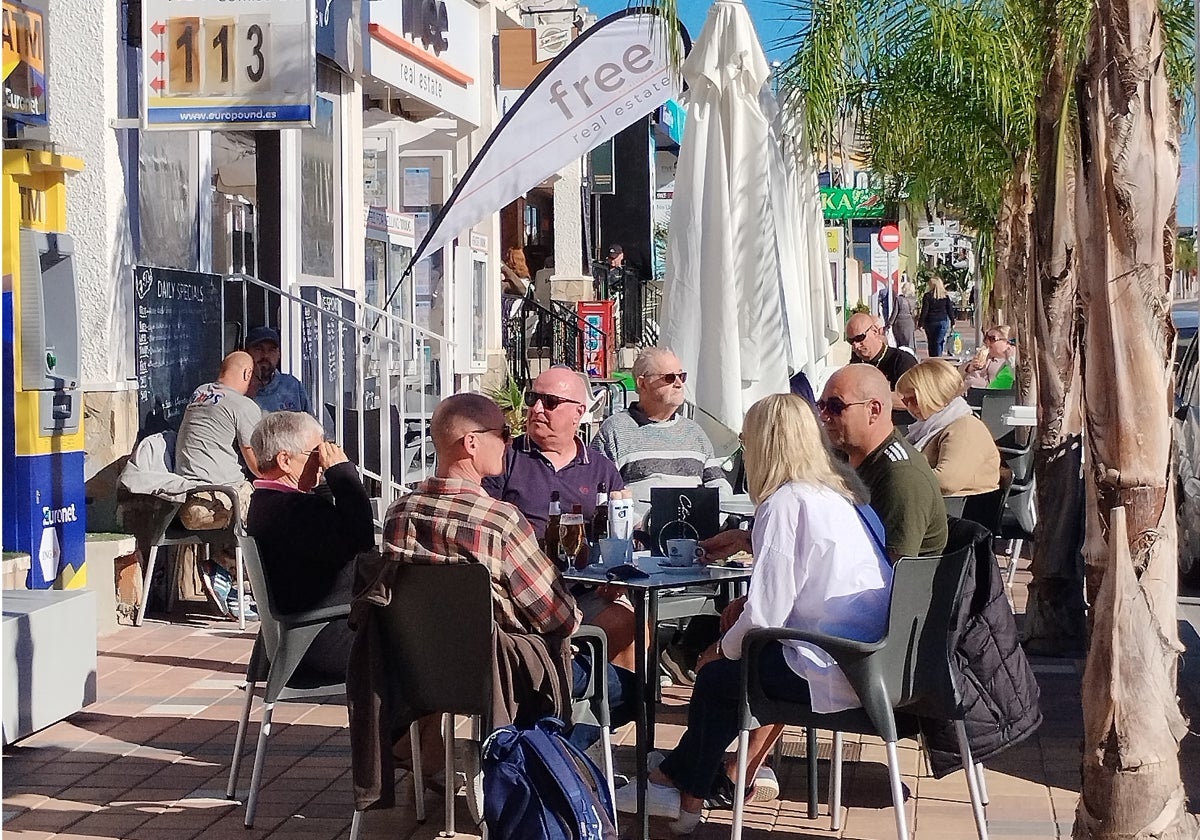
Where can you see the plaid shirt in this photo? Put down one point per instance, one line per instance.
(449, 520)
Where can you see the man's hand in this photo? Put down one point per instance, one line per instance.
(725, 544)
(732, 613)
(330, 454)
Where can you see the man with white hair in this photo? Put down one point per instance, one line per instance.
(652, 443)
(308, 541)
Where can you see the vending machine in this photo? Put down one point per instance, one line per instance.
(43, 495)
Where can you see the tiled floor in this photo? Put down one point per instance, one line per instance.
(149, 761)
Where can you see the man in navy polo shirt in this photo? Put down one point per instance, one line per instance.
(551, 456)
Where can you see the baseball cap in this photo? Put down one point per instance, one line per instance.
(258, 335)
(613, 250)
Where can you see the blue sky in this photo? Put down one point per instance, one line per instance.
(770, 18)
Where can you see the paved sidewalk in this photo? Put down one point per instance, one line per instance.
(149, 761)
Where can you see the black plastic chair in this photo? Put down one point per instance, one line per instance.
(906, 675)
(281, 644)
(1019, 516)
(996, 403)
(445, 665)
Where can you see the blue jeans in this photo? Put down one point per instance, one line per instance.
(935, 335)
(713, 716)
(620, 686)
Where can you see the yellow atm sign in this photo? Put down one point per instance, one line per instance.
(24, 37)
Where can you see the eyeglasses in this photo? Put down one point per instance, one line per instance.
(834, 406)
(504, 431)
(549, 401)
(670, 378)
(990, 337)
(860, 338)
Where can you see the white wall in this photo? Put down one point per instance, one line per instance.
(84, 41)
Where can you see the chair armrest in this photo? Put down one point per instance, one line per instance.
(839, 648)
(319, 616)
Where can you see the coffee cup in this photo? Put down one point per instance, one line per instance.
(682, 553)
(614, 552)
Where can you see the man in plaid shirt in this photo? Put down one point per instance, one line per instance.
(451, 519)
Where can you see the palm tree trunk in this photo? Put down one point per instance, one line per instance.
(1055, 614)
(1128, 182)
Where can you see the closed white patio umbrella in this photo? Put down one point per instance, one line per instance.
(734, 308)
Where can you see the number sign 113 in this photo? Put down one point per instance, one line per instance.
(217, 56)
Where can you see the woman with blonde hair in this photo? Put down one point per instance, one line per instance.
(956, 443)
(937, 315)
(996, 352)
(819, 565)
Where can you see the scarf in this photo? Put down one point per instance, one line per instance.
(923, 431)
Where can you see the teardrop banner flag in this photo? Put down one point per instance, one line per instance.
(609, 77)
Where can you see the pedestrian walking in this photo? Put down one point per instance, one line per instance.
(937, 315)
(904, 324)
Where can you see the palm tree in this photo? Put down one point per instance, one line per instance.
(1096, 141)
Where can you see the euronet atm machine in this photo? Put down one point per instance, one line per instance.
(43, 504)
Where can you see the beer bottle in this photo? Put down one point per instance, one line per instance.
(600, 516)
(553, 524)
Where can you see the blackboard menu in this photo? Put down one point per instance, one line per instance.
(179, 330)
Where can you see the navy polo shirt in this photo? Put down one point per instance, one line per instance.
(529, 479)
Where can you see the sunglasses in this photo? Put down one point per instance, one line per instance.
(834, 406)
(549, 401)
(504, 431)
(670, 378)
(860, 338)
(993, 337)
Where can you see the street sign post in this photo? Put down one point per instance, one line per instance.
(228, 64)
(889, 241)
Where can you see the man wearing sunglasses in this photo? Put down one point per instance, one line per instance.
(855, 409)
(654, 445)
(868, 344)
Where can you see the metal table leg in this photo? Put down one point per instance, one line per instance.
(641, 692)
(811, 751)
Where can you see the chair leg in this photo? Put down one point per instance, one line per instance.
(414, 738)
(241, 585)
(260, 758)
(739, 802)
(141, 613)
(356, 825)
(1014, 557)
(239, 742)
(835, 784)
(814, 779)
(983, 794)
(964, 749)
(897, 791)
(448, 737)
(606, 744)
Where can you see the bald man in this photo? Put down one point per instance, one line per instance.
(856, 410)
(213, 445)
(868, 344)
(550, 456)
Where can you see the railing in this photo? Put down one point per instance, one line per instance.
(636, 302)
(358, 364)
(537, 337)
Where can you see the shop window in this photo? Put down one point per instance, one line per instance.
(168, 204)
(533, 225)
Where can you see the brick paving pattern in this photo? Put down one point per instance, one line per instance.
(149, 761)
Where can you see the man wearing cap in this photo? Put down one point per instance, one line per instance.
(273, 389)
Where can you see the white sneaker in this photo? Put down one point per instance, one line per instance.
(766, 785)
(661, 800)
(686, 824)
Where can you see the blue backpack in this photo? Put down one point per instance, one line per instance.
(537, 785)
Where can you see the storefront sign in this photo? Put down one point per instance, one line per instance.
(672, 117)
(603, 167)
(843, 203)
(223, 64)
(609, 77)
(339, 33)
(428, 49)
(24, 64)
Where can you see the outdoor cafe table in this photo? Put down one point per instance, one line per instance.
(644, 592)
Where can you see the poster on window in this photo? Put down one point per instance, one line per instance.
(228, 64)
(596, 323)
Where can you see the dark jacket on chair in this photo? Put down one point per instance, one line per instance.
(529, 678)
(993, 676)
